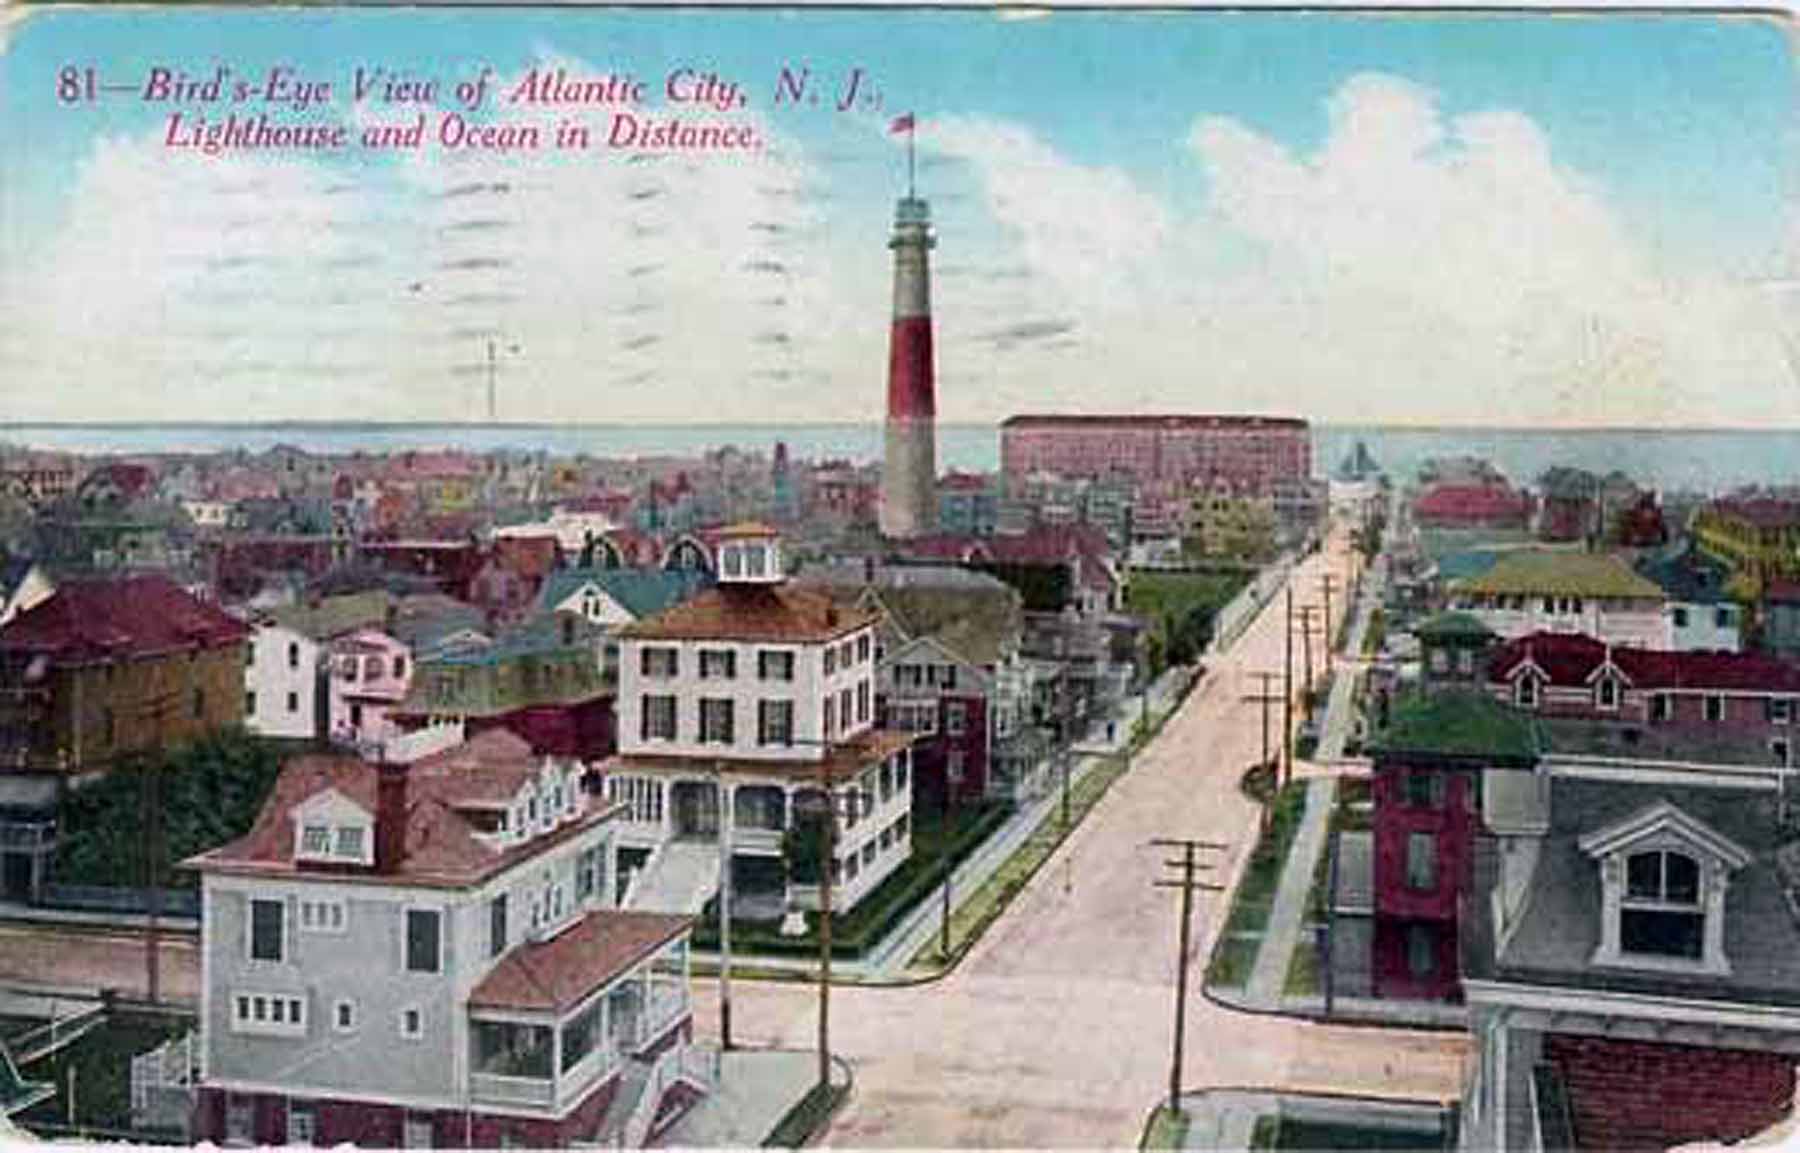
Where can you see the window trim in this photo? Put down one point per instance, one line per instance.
(250, 903)
(406, 916)
(337, 1012)
(418, 1013)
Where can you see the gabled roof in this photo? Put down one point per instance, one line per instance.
(1572, 659)
(558, 974)
(1535, 573)
(1663, 817)
(442, 847)
(1688, 576)
(640, 592)
(105, 619)
(775, 612)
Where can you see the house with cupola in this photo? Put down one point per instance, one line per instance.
(429, 952)
(742, 710)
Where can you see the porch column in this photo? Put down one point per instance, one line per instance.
(556, 1069)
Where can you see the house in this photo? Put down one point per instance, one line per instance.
(23, 584)
(945, 634)
(1453, 649)
(431, 955)
(370, 672)
(1756, 536)
(1486, 504)
(1428, 764)
(1702, 614)
(1629, 962)
(286, 691)
(968, 503)
(1529, 591)
(509, 579)
(1687, 706)
(615, 597)
(107, 667)
(738, 708)
(30, 804)
(542, 681)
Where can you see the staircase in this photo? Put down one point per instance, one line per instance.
(680, 877)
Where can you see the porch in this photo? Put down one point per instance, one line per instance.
(556, 1019)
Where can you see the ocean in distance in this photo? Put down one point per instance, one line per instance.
(1704, 460)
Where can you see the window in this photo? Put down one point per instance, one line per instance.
(830, 659)
(356, 716)
(657, 719)
(717, 664)
(399, 667)
(1607, 692)
(660, 662)
(845, 715)
(267, 937)
(412, 1025)
(954, 718)
(1715, 708)
(271, 1014)
(1421, 951)
(343, 1016)
(590, 873)
(862, 702)
(352, 842)
(322, 916)
(293, 654)
(424, 940)
(293, 702)
(315, 840)
(1778, 748)
(830, 709)
(497, 926)
(1661, 707)
(1525, 691)
(1424, 790)
(250, 702)
(868, 853)
(1549, 605)
(1421, 861)
(1660, 913)
(1779, 710)
(775, 722)
(1680, 615)
(1723, 618)
(862, 648)
(717, 717)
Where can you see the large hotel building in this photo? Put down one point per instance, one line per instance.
(1257, 454)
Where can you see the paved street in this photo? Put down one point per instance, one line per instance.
(1055, 1030)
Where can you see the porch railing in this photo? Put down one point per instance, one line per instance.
(501, 1089)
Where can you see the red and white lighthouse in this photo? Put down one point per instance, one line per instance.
(909, 470)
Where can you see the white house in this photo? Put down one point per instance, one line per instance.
(736, 710)
(1595, 594)
(285, 687)
(432, 955)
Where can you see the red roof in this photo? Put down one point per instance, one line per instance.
(1571, 659)
(1762, 511)
(778, 612)
(104, 619)
(558, 974)
(1470, 503)
(442, 847)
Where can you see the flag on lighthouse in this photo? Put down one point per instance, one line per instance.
(905, 124)
(902, 123)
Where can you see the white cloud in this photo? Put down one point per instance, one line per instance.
(1414, 266)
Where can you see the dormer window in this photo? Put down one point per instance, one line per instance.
(351, 842)
(330, 827)
(1663, 877)
(1525, 691)
(315, 840)
(1606, 692)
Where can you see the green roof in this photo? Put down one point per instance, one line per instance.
(1532, 573)
(1460, 724)
(334, 616)
(1452, 627)
(640, 592)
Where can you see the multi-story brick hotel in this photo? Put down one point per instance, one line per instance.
(1257, 454)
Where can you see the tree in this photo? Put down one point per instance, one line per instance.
(801, 847)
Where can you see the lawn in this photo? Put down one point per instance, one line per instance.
(1256, 892)
(1167, 1130)
(1232, 960)
(1292, 1134)
(1180, 606)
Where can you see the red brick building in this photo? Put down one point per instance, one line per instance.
(1160, 451)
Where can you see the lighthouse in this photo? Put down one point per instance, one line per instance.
(909, 469)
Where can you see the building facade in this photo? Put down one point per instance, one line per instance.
(1253, 452)
(430, 955)
(1596, 595)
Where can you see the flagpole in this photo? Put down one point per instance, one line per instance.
(912, 133)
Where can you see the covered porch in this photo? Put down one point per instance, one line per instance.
(555, 1019)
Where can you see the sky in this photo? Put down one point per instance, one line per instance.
(1470, 219)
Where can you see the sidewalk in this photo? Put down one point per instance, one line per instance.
(1288, 914)
(1340, 709)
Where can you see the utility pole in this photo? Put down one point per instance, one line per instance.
(150, 798)
(1187, 884)
(1265, 698)
(726, 815)
(1327, 583)
(1306, 635)
(1287, 692)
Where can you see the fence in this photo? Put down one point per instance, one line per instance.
(162, 1085)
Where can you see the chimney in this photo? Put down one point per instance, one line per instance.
(390, 816)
